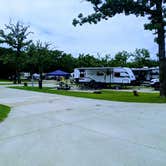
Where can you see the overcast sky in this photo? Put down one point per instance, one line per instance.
(51, 21)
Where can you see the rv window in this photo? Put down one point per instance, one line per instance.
(82, 74)
(124, 74)
(117, 74)
(99, 73)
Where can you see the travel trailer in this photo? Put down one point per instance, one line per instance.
(146, 74)
(104, 75)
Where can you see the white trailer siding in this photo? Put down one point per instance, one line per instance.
(106, 75)
(120, 75)
(99, 75)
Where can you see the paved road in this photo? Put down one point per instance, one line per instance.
(53, 130)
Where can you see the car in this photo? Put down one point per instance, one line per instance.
(36, 76)
(155, 83)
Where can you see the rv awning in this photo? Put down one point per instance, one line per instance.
(58, 73)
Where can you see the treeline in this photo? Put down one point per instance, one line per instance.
(55, 59)
(24, 55)
(136, 59)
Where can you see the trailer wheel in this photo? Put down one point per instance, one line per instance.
(92, 84)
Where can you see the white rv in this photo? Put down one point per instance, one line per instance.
(146, 74)
(104, 75)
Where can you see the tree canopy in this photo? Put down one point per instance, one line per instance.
(103, 9)
(15, 36)
(40, 57)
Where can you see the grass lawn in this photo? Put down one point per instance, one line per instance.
(4, 111)
(4, 80)
(5, 83)
(105, 95)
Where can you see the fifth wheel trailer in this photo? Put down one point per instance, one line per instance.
(104, 75)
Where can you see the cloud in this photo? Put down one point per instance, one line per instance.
(51, 21)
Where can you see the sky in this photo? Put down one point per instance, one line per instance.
(51, 21)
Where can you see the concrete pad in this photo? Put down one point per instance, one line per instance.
(45, 129)
(70, 145)
(22, 125)
(70, 116)
(133, 130)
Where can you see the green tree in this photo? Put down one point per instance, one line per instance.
(15, 36)
(141, 58)
(155, 10)
(67, 62)
(6, 68)
(87, 61)
(39, 57)
(104, 61)
(121, 58)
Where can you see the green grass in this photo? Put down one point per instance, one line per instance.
(4, 80)
(4, 111)
(105, 95)
(5, 83)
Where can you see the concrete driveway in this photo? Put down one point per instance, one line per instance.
(53, 130)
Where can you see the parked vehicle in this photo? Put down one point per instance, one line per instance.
(91, 76)
(24, 75)
(36, 76)
(155, 83)
(145, 74)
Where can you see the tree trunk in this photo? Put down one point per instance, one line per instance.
(18, 66)
(31, 76)
(40, 81)
(40, 84)
(162, 61)
(161, 44)
(14, 77)
(18, 78)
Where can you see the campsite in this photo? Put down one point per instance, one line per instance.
(83, 83)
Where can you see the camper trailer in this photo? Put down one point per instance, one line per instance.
(104, 75)
(145, 74)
